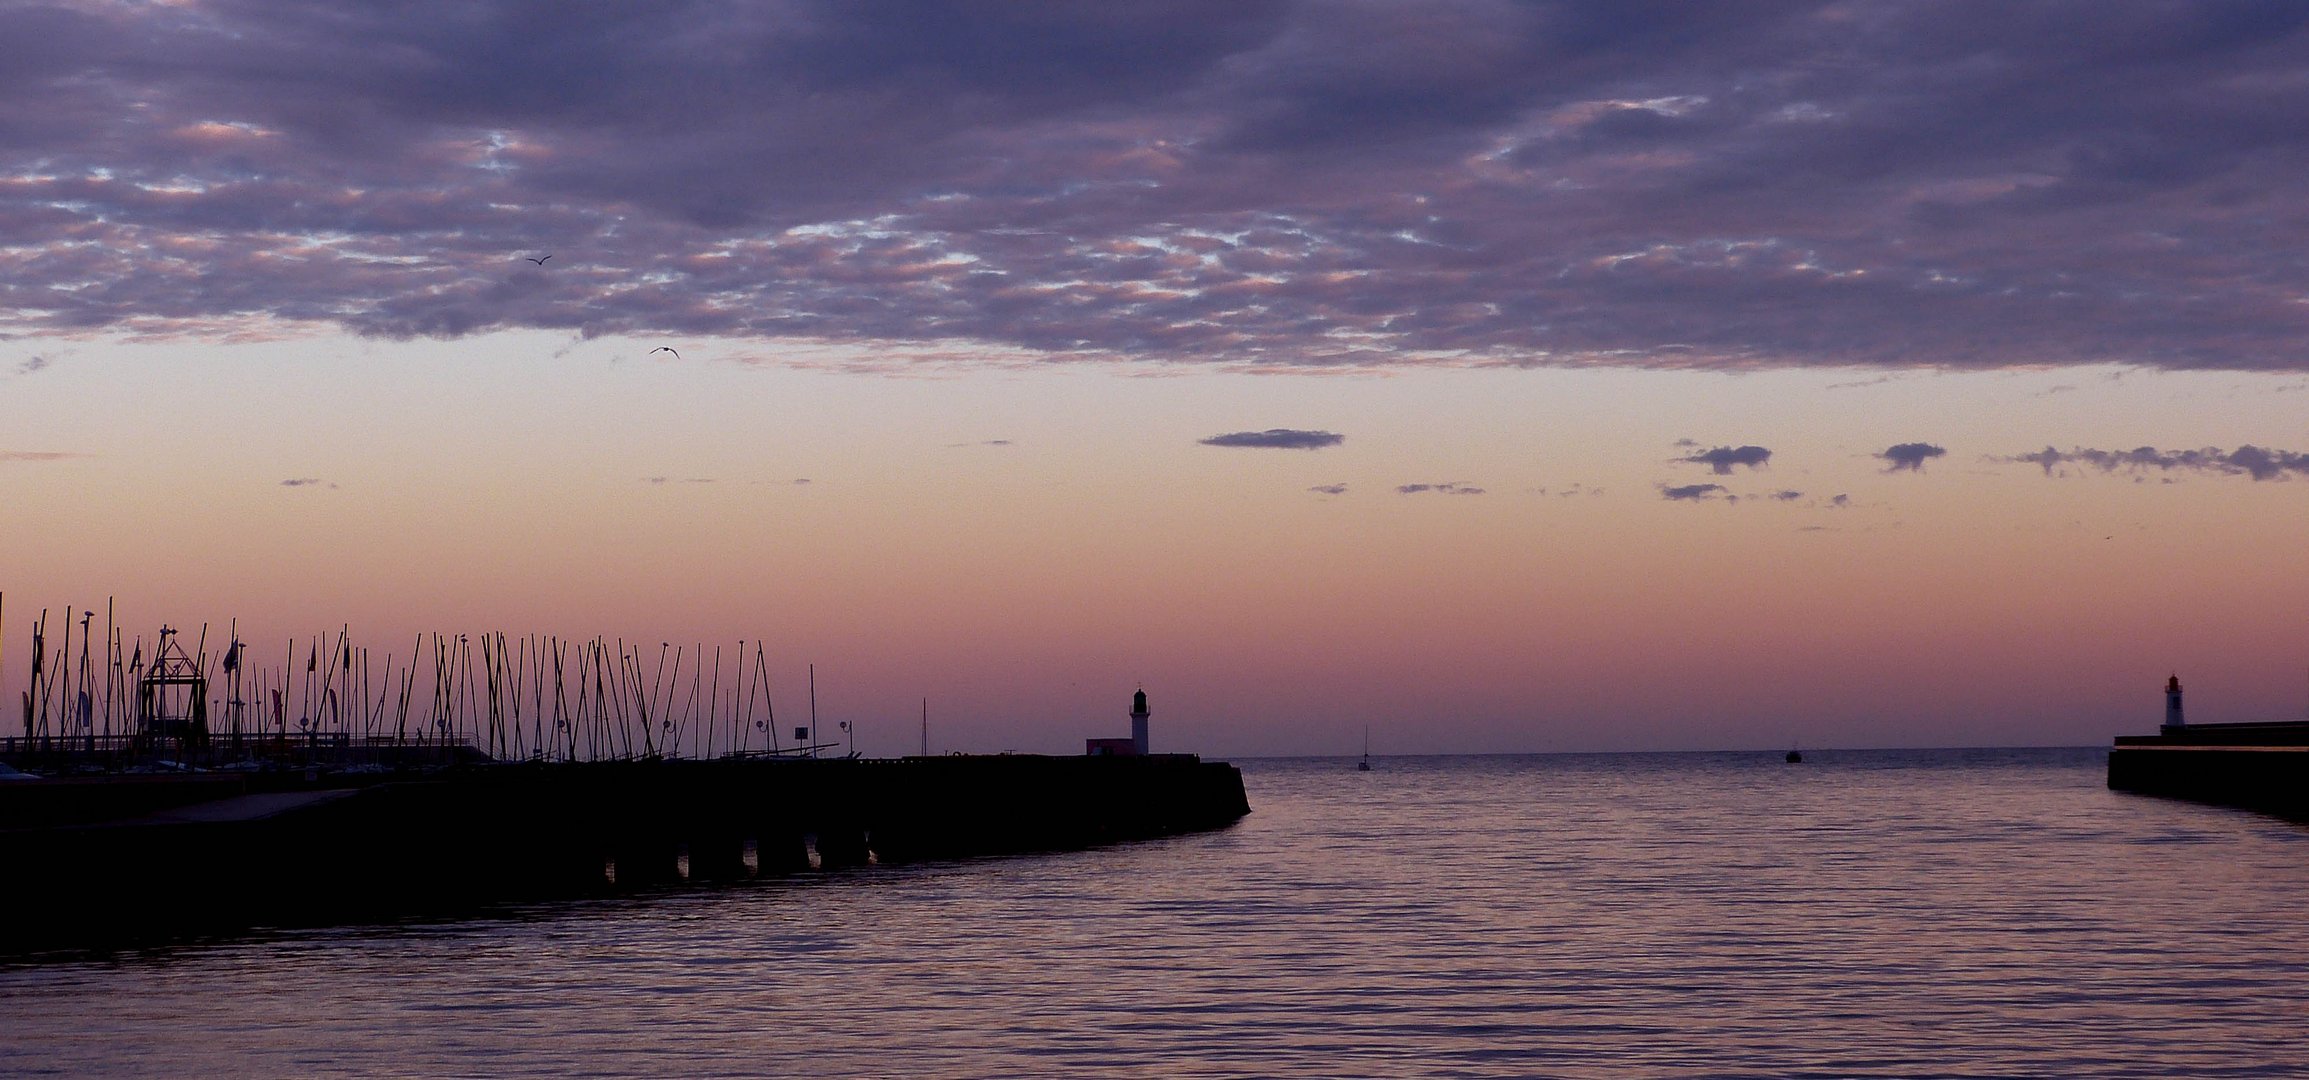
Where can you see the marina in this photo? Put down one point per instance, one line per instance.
(155, 802)
(105, 701)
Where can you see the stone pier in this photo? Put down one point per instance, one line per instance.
(123, 857)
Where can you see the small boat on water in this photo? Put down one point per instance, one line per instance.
(1365, 764)
(1795, 757)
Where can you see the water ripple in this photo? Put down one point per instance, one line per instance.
(1974, 914)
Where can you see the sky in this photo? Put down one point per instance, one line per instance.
(1493, 377)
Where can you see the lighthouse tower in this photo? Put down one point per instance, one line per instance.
(1138, 715)
(2173, 724)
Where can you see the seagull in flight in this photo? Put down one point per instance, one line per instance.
(539, 262)
(666, 348)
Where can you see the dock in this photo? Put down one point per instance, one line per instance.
(183, 786)
(128, 857)
(2261, 766)
(2253, 766)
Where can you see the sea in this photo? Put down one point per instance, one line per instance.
(1938, 913)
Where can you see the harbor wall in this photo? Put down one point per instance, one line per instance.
(2272, 779)
(2255, 766)
(141, 856)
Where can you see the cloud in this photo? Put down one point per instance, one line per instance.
(37, 455)
(1692, 492)
(679, 480)
(34, 364)
(302, 481)
(1786, 496)
(1910, 456)
(1277, 439)
(1448, 488)
(1722, 459)
(1840, 501)
(2247, 460)
(1861, 184)
(1329, 489)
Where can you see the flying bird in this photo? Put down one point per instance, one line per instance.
(539, 262)
(666, 348)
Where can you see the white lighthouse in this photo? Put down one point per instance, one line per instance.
(1138, 715)
(2173, 723)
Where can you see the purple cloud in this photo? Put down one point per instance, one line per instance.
(1329, 489)
(2247, 460)
(1692, 492)
(37, 455)
(1261, 182)
(302, 481)
(1277, 439)
(1447, 488)
(1723, 459)
(1910, 456)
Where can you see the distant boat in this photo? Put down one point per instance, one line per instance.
(1795, 757)
(1365, 764)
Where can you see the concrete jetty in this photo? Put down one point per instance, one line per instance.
(125, 857)
(2258, 766)
(2261, 766)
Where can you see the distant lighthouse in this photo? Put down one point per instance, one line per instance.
(1138, 715)
(2173, 723)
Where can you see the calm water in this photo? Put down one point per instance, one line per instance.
(1947, 913)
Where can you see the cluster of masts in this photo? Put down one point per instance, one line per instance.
(533, 697)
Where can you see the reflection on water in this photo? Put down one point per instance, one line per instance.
(1983, 913)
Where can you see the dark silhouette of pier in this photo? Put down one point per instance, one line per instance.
(120, 857)
(178, 785)
(2261, 766)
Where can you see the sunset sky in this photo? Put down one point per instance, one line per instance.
(1501, 377)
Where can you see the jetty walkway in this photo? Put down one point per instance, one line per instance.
(117, 857)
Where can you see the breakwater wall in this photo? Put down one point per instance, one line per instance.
(121, 858)
(2260, 766)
